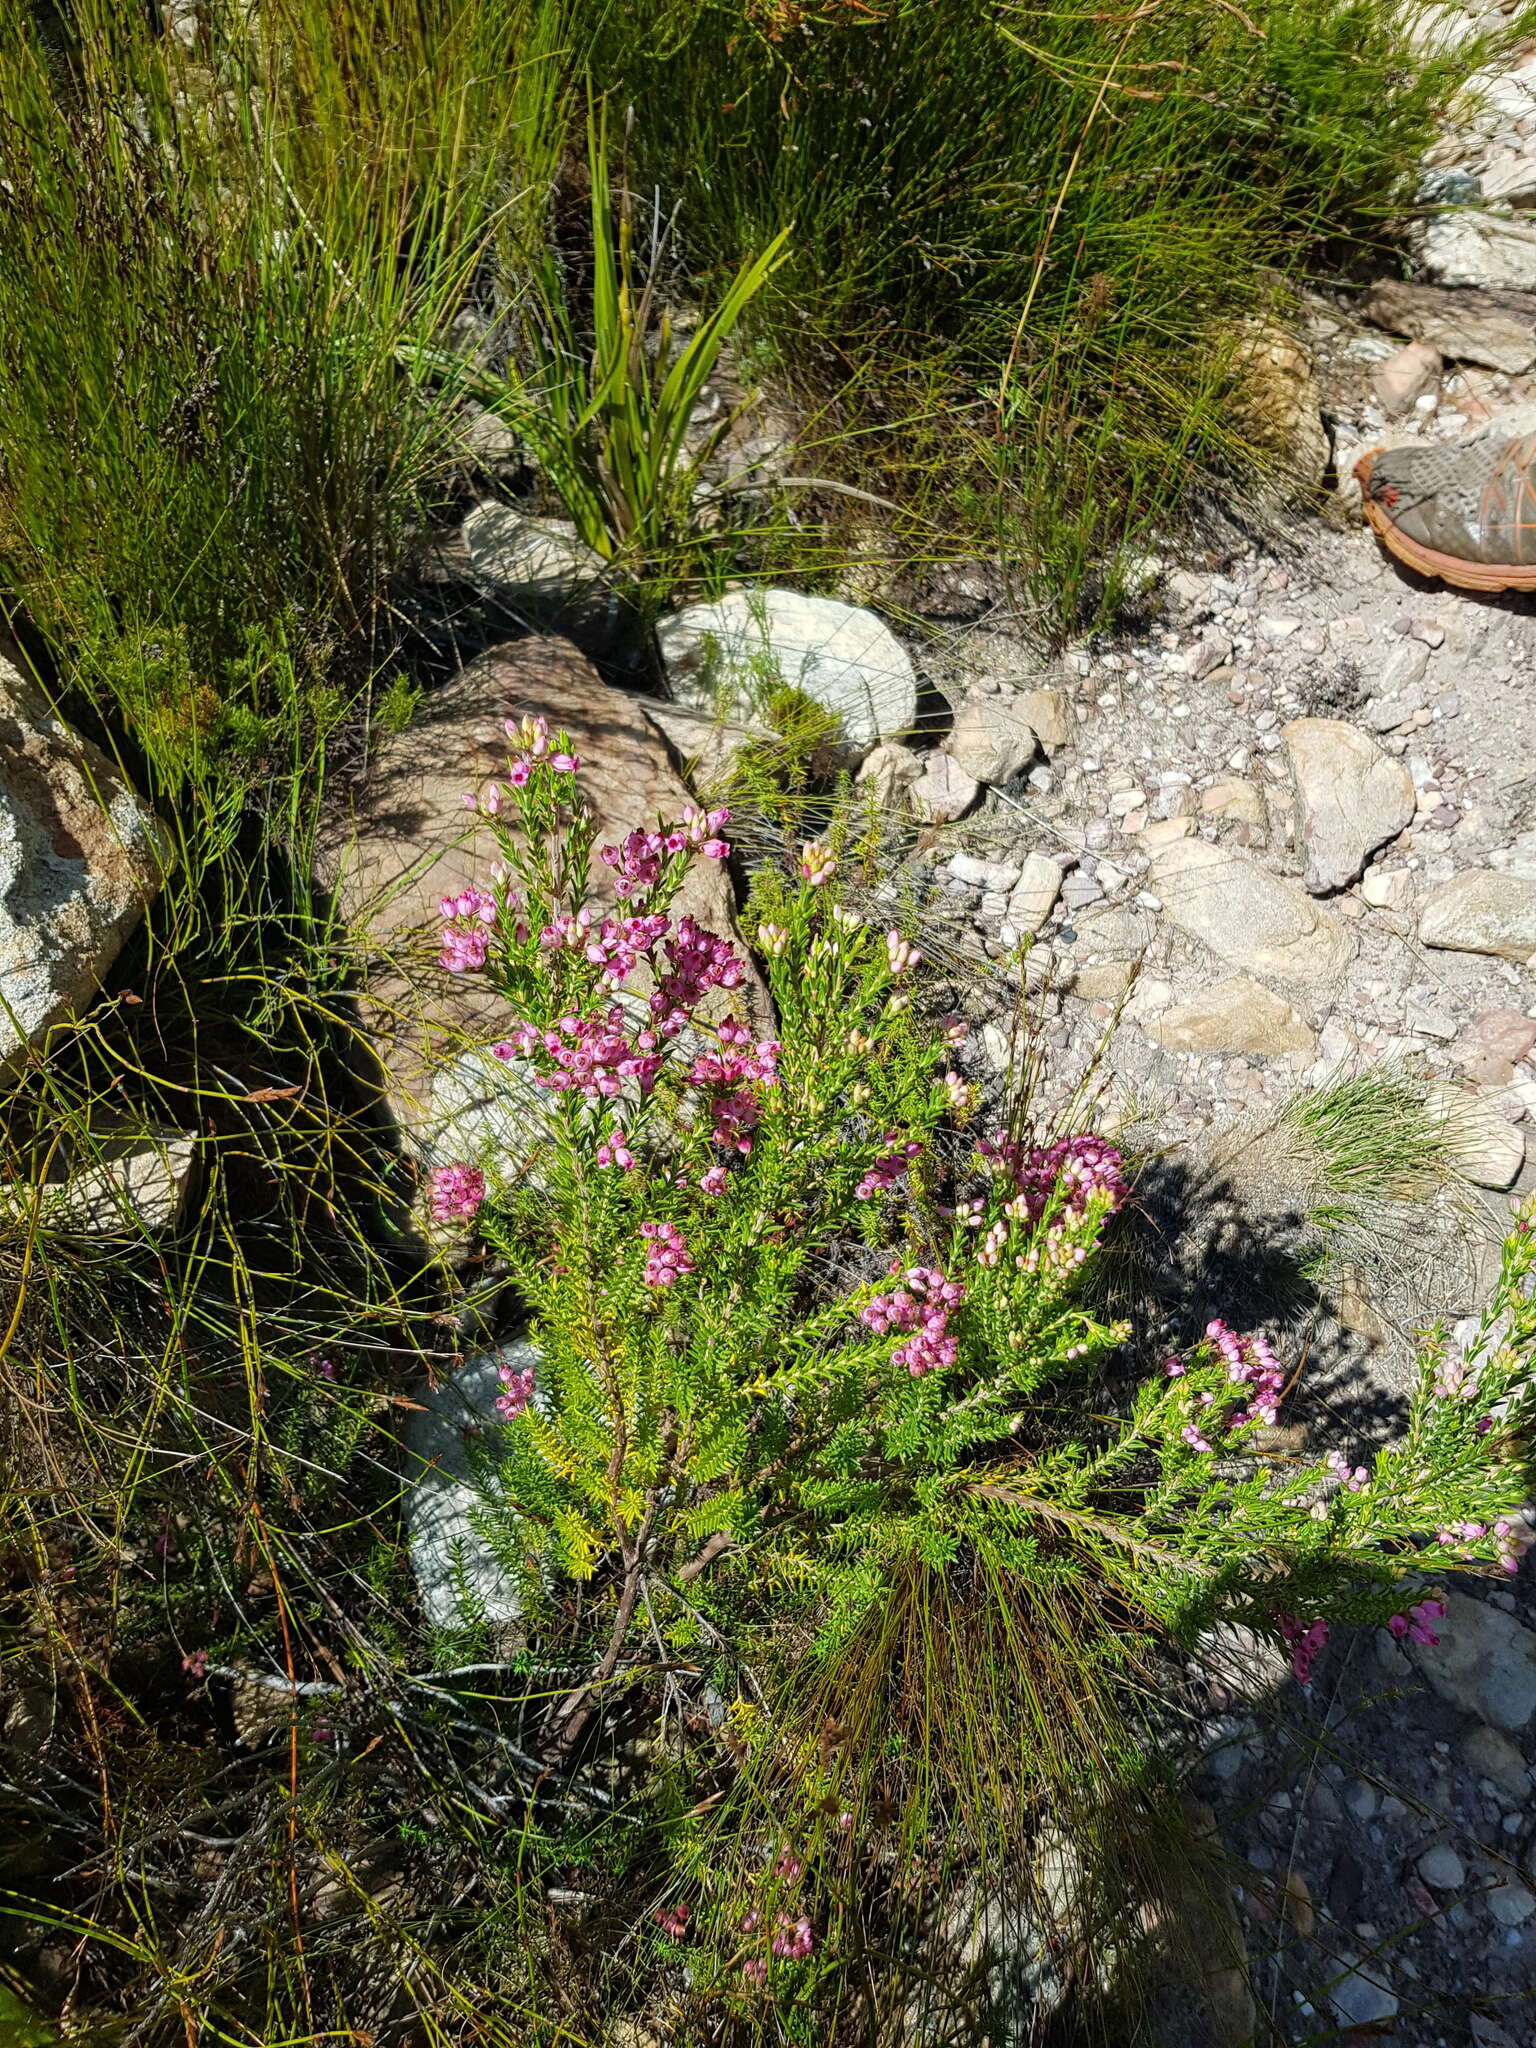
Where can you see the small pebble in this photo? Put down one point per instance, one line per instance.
(1442, 1868)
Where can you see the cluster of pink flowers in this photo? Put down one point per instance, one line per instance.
(613, 1150)
(887, 1169)
(1250, 1362)
(1079, 1167)
(792, 1937)
(673, 1920)
(818, 863)
(616, 947)
(517, 1390)
(1353, 1480)
(466, 934)
(571, 929)
(667, 1259)
(701, 829)
(1513, 1540)
(536, 749)
(624, 941)
(726, 1074)
(1304, 1641)
(922, 1306)
(1454, 1380)
(196, 1665)
(962, 1095)
(699, 961)
(1415, 1624)
(594, 1055)
(900, 956)
(640, 858)
(457, 1192)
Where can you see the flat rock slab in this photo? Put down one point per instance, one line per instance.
(1485, 1147)
(80, 860)
(408, 841)
(541, 570)
(1034, 895)
(726, 658)
(459, 1576)
(1488, 251)
(991, 739)
(889, 771)
(943, 791)
(1482, 911)
(1257, 922)
(1234, 1015)
(1497, 331)
(1352, 798)
(1484, 1663)
(129, 1184)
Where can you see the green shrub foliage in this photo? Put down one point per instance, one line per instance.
(801, 1326)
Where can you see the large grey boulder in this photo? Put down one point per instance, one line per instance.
(726, 657)
(1236, 1014)
(1465, 326)
(80, 859)
(1488, 251)
(117, 1182)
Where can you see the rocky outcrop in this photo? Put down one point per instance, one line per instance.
(943, 791)
(1233, 1015)
(1465, 326)
(459, 1574)
(115, 1183)
(80, 859)
(992, 739)
(541, 571)
(1484, 1663)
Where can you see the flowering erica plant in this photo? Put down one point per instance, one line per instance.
(800, 1326)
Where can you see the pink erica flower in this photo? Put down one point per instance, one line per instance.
(1415, 1624)
(667, 1259)
(885, 1171)
(1304, 1642)
(517, 1390)
(457, 1193)
(466, 933)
